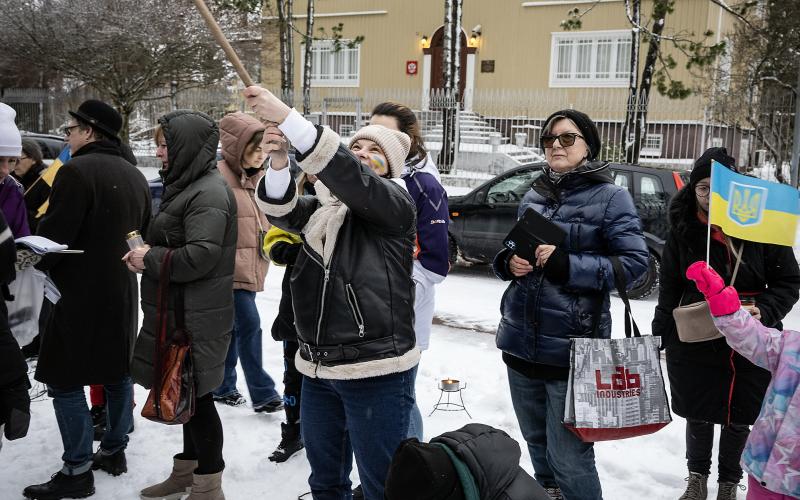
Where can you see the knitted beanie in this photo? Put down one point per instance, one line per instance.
(395, 145)
(702, 167)
(585, 125)
(10, 139)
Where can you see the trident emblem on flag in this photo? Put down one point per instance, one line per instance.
(746, 206)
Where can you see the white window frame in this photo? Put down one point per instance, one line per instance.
(317, 47)
(653, 151)
(591, 81)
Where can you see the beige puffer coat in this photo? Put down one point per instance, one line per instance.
(236, 130)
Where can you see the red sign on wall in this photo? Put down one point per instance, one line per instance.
(411, 67)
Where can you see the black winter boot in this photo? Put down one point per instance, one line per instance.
(98, 421)
(291, 443)
(62, 486)
(113, 463)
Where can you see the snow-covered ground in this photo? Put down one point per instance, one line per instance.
(462, 346)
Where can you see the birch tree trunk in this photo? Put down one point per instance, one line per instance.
(288, 90)
(447, 153)
(283, 43)
(456, 58)
(307, 63)
(447, 45)
(633, 9)
(660, 9)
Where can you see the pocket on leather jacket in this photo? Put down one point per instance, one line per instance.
(355, 309)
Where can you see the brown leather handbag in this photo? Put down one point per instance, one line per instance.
(172, 397)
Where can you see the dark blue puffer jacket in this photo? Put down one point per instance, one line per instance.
(600, 219)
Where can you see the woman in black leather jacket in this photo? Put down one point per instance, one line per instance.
(352, 289)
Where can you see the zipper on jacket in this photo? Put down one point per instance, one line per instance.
(324, 288)
(353, 301)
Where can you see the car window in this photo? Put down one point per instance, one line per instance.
(512, 189)
(650, 185)
(622, 179)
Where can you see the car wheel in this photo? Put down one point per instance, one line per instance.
(647, 284)
(452, 251)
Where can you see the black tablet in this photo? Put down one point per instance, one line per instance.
(530, 231)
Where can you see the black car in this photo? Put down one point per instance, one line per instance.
(51, 145)
(481, 219)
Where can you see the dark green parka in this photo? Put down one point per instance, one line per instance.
(197, 219)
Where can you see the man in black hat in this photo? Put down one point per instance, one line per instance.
(97, 198)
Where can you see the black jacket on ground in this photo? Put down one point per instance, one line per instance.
(197, 220)
(97, 198)
(14, 400)
(493, 459)
(708, 380)
(361, 304)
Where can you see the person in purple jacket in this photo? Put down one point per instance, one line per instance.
(12, 202)
(431, 258)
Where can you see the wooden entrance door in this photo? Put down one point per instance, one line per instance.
(436, 50)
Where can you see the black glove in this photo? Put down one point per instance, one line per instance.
(15, 408)
(557, 267)
(284, 253)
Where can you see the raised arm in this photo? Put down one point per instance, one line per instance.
(745, 334)
(381, 202)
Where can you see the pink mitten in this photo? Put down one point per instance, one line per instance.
(706, 278)
(721, 300)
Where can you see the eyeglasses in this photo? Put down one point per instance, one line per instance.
(566, 139)
(702, 190)
(68, 130)
(24, 157)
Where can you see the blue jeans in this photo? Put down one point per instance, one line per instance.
(368, 417)
(245, 346)
(75, 423)
(559, 457)
(415, 427)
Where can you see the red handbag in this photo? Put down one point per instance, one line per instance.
(172, 396)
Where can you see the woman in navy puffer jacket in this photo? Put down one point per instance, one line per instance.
(564, 294)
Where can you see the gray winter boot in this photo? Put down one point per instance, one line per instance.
(206, 487)
(697, 489)
(178, 484)
(727, 491)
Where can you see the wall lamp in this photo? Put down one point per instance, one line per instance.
(475, 38)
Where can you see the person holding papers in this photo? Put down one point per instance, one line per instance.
(562, 292)
(97, 198)
(710, 383)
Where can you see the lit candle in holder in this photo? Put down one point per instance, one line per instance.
(450, 384)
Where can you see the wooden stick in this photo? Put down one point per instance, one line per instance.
(216, 32)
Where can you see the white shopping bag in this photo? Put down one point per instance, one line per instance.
(23, 312)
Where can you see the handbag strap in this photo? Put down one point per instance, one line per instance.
(738, 254)
(622, 289)
(162, 315)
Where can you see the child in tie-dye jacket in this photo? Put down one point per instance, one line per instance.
(772, 454)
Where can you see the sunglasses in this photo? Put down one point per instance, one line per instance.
(566, 139)
(68, 130)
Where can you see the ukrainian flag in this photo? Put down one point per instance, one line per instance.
(49, 176)
(753, 209)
